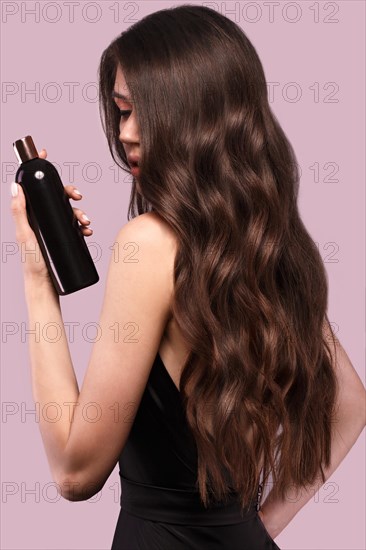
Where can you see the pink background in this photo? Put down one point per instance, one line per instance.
(320, 47)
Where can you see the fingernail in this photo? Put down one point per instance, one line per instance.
(77, 191)
(85, 217)
(14, 188)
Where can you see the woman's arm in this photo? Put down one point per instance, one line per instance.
(348, 425)
(54, 384)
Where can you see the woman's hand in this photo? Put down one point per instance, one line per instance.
(33, 263)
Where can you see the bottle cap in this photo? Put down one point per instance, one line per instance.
(25, 149)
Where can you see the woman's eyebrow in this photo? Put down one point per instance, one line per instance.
(120, 96)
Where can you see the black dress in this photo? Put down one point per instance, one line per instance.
(160, 505)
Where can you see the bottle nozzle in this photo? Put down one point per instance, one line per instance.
(25, 149)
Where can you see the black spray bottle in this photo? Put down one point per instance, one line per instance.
(53, 221)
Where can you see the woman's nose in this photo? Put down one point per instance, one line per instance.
(128, 130)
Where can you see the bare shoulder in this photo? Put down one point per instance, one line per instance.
(150, 227)
(147, 247)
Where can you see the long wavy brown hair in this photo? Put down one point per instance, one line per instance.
(250, 285)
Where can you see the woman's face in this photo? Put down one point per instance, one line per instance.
(128, 128)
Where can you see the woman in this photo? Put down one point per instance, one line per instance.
(234, 381)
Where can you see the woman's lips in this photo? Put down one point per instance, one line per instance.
(133, 160)
(135, 170)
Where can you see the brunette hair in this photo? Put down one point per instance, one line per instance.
(250, 285)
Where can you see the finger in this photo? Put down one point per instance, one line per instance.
(83, 218)
(42, 154)
(86, 231)
(73, 192)
(18, 210)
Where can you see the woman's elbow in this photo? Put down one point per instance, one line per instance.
(75, 491)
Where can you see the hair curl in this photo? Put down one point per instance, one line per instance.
(250, 285)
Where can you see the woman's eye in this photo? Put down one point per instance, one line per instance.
(124, 113)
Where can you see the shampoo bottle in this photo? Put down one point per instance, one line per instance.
(53, 221)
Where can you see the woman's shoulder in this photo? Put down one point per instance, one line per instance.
(150, 244)
(150, 227)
